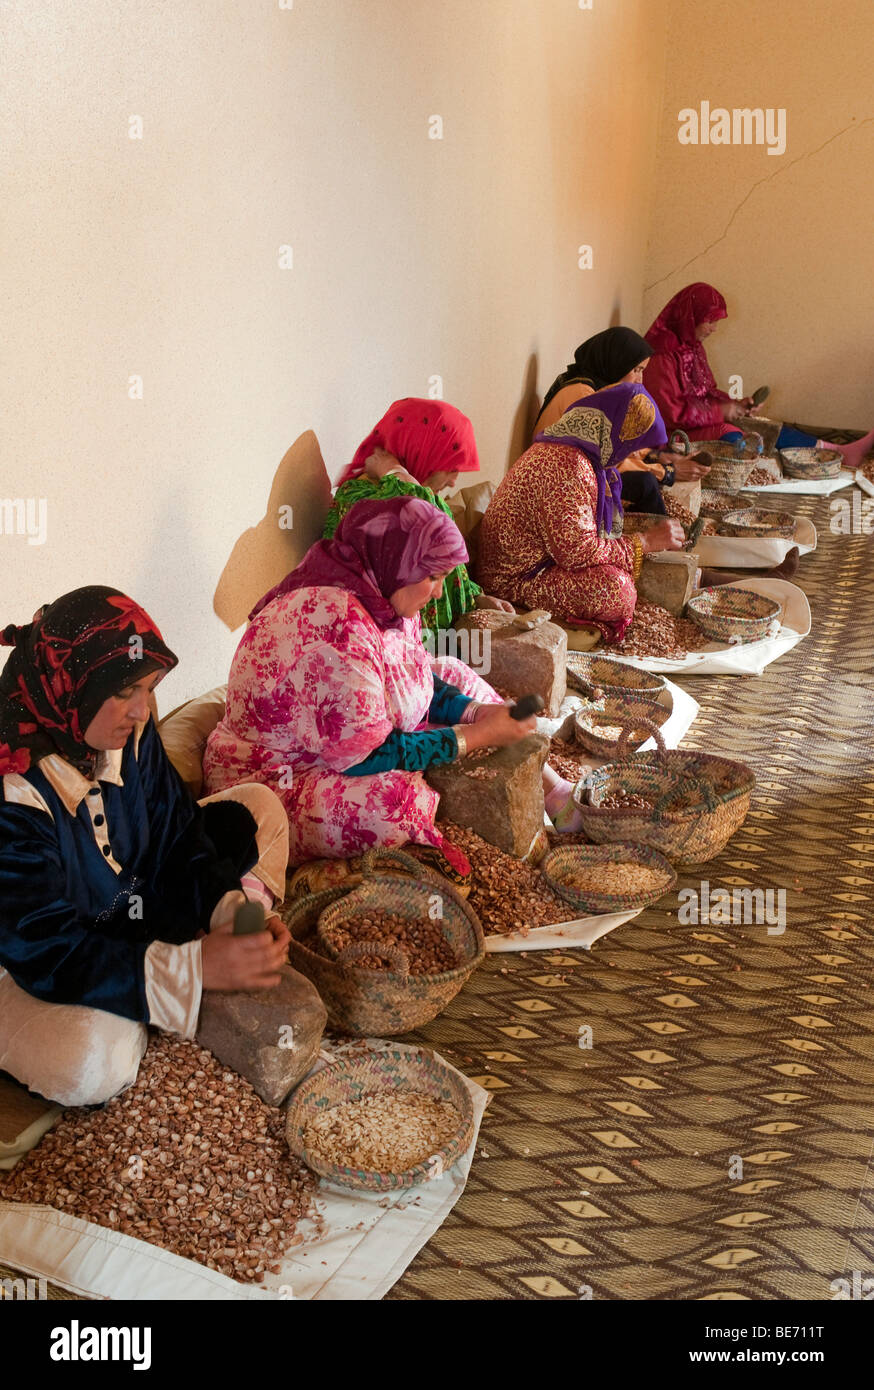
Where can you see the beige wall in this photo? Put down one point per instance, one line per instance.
(787, 239)
(412, 258)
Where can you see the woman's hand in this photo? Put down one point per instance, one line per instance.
(380, 462)
(732, 410)
(665, 535)
(489, 601)
(245, 962)
(687, 468)
(493, 727)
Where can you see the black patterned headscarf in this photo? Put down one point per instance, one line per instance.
(78, 651)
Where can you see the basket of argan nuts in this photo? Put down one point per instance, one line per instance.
(386, 953)
(608, 878)
(685, 805)
(599, 724)
(386, 1120)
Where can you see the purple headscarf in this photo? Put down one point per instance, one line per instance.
(607, 427)
(377, 548)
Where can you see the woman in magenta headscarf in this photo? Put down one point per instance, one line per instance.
(417, 449)
(679, 378)
(678, 375)
(331, 687)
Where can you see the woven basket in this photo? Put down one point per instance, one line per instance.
(618, 714)
(405, 898)
(759, 524)
(558, 869)
(733, 461)
(396, 1069)
(616, 679)
(726, 614)
(760, 424)
(811, 463)
(716, 791)
(716, 504)
(384, 1002)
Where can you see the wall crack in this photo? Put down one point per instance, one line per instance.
(767, 178)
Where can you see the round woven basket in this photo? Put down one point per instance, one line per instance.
(811, 463)
(733, 460)
(716, 505)
(618, 714)
(559, 867)
(698, 801)
(758, 524)
(726, 614)
(615, 679)
(379, 1003)
(397, 1070)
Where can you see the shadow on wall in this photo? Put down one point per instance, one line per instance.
(526, 414)
(299, 501)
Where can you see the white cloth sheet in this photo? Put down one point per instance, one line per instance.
(743, 659)
(738, 552)
(368, 1240)
(807, 487)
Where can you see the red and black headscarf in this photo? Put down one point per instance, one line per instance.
(78, 651)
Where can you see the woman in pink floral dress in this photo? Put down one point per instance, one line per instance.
(334, 701)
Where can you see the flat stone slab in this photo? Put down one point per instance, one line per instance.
(270, 1037)
(505, 806)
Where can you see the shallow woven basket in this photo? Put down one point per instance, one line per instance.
(716, 789)
(616, 679)
(394, 1070)
(384, 1002)
(811, 463)
(559, 866)
(619, 714)
(726, 614)
(758, 524)
(713, 503)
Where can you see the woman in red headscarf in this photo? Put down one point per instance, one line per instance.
(678, 374)
(418, 449)
(679, 378)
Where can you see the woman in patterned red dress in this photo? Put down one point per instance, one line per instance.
(552, 535)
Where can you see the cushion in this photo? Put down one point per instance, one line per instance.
(184, 733)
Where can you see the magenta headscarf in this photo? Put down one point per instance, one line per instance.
(377, 548)
(425, 436)
(690, 306)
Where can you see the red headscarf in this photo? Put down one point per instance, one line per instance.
(676, 324)
(378, 547)
(77, 652)
(425, 436)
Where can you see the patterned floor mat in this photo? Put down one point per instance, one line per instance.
(715, 1142)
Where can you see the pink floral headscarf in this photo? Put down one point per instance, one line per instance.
(378, 547)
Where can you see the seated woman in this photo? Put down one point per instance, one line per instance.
(418, 448)
(680, 380)
(331, 690)
(117, 891)
(552, 535)
(608, 359)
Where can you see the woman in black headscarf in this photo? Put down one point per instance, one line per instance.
(617, 355)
